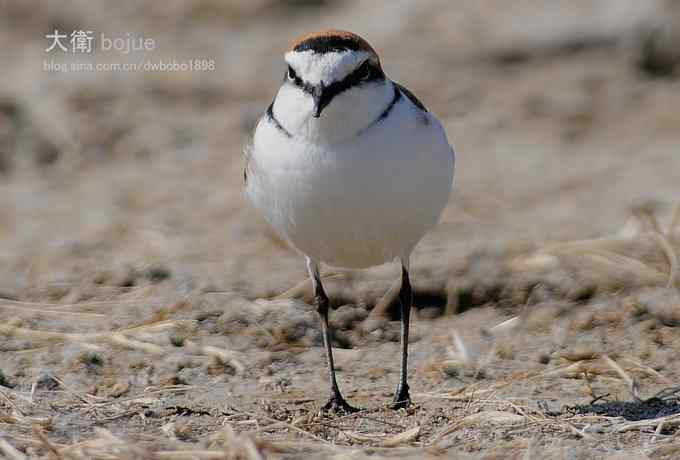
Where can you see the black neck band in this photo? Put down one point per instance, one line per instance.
(270, 115)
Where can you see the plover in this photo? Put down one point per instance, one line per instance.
(351, 168)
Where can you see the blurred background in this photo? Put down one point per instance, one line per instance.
(564, 116)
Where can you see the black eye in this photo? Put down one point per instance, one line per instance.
(364, 71)
(291, 73)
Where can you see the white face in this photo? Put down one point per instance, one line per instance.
(329, 97)
(315, 68)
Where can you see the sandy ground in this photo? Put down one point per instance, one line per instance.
(148, 312)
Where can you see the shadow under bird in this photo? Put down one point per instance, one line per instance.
(351, 169)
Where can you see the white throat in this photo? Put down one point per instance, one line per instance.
(348, 113)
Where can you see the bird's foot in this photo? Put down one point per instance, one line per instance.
(402, 399)
(337, 405)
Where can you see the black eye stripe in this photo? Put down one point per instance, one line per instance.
(365, 73)
(292, 75)
(359, 77)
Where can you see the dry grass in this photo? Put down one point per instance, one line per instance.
(483, 405)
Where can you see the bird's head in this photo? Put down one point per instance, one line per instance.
(333, 86)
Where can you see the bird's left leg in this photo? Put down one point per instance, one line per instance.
(401, 395)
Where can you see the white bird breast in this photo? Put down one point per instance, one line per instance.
(357, 203)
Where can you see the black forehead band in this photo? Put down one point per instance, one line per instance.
(330, 43)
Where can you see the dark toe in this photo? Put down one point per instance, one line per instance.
(337, 405)
(402, 398)
(401, 403)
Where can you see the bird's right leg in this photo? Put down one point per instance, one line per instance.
(336, 403)
(402, 399)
